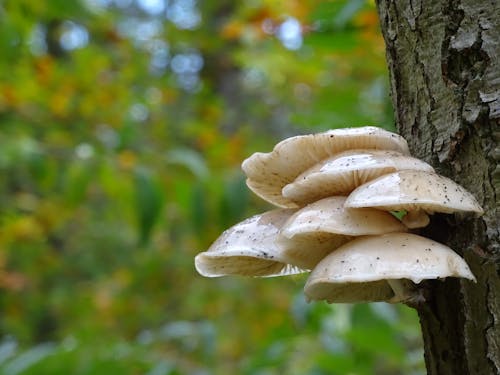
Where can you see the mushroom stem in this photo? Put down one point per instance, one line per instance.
(415, 219)
(405, 291)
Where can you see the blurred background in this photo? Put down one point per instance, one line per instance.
(123, 124)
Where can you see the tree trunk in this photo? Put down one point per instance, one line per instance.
(443, 57)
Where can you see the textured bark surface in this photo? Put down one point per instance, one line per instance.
(443, 58)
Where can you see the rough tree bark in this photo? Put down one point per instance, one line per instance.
(443, 58)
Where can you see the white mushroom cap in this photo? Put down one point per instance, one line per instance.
(414, 190)
(342, 173)
(268, 173)
(362, 270)
(320, 227)
(248, 248)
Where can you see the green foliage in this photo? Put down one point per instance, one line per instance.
(122, 128)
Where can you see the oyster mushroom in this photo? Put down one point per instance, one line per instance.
(342, 173)
(316, 230)
(248, 248)
(269, 172)
(383, 268)
(417, 192)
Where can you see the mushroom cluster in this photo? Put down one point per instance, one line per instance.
(347, 200)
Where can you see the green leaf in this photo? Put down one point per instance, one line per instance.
(149, 200)
(234, 200)
(189, 159)
(199, 210)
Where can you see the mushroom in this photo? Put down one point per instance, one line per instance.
(248, 248)
(383, 268)
(417, 192)
(269, 172)
(342, 173)
(316, 230)
(383, 263)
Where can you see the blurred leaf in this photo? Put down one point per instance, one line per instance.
(149, 200)
(191, 160)
(29, 358)
(234, 200)
(7, 349)
(341, 41)
(366, 324)
(199, 209)
(78, 178)
(347, 12)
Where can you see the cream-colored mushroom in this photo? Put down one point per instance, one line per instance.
(417, 192)
(383, 268)
(342, 173)
(248, 248)
(269, 172)
(320, 227)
